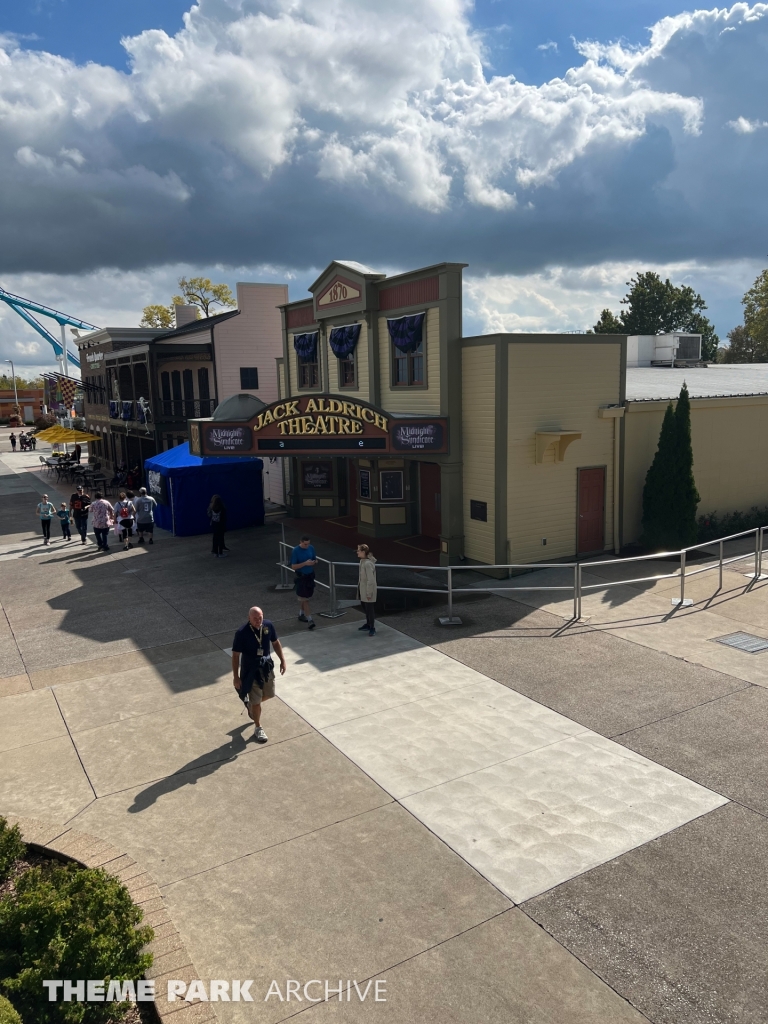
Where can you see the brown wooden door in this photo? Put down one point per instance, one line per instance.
(430, 499)
(591, 510)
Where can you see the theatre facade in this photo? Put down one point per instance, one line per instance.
(369, 414)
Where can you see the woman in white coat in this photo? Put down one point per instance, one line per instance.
(367, 587)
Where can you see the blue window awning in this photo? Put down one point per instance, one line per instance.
(407, 332)
(343, 340)
(306, 346)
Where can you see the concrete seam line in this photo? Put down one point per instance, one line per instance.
(92, 852)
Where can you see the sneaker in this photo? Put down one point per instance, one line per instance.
(151, 541)
(312, 624)
(224, 554)
(303, 618)
(129, 544)
(141, 540)
(364, 628)
(83, 540)
(371, 632)
(259, 735)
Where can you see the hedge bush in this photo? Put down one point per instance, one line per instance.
(12, 848)
(7, 1013)
(712, 525)
(69, 922)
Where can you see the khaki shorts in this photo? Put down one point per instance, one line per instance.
(257, 695)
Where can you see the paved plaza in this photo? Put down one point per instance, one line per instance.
(518, 819)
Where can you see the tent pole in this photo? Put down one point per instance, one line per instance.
(173, 513)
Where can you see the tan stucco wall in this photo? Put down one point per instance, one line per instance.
(478, 445)
(557, 387)
(729, 460)
(253, 338)
(418, 400)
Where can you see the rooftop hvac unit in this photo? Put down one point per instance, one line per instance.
(688, 347)
(663, 349)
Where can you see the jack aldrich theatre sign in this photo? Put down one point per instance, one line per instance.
(329, 424)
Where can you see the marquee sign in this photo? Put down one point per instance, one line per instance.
(320, 425)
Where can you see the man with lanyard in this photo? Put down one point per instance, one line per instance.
(303, 562)
(254, 677)
(80, 502)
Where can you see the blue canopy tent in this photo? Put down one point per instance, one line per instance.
(183, 484)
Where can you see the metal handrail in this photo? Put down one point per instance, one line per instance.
(577, 587)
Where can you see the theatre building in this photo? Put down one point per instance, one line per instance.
(494, 449)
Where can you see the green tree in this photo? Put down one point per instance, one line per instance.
(660, 307)
(6, 382)
(742, 348)
(158, 316)
(755, 304)
(670, 497)
(201, 292)
(607, 324)
(687, 495)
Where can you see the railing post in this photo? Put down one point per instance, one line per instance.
(576, 592)
(721, 566)
(281, 547)
(450, 619)
(334, 611)
(682, 601)
(758, 552)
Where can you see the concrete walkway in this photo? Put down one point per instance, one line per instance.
(510, 821)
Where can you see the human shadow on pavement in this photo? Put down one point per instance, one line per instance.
(190, 773)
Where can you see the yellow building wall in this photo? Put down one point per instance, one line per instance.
(478, 445)
(361, 356)
(557, 387)
(729, 463)
(412, 400)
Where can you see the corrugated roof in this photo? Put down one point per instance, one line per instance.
(652, 383)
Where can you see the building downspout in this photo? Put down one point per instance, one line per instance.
(615, 413)
(616, 473)
(213, 360)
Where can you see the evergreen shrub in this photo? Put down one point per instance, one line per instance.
(12, 848)
(70, 923)
(7, 1013)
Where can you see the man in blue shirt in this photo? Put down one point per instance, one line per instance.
(254, 675)
(303, 562)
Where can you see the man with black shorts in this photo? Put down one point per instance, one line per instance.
(303, 562)
(253, 670)
(79, 504)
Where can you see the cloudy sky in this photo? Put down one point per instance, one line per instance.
(556, 147)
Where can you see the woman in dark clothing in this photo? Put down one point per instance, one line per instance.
(217, 513)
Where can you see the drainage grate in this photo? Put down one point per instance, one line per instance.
(744, 642)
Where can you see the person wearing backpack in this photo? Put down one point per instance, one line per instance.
(46, 511)
(145, 515)
(217, 513)
(125, 515)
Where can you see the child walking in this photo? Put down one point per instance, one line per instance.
(64, 516)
